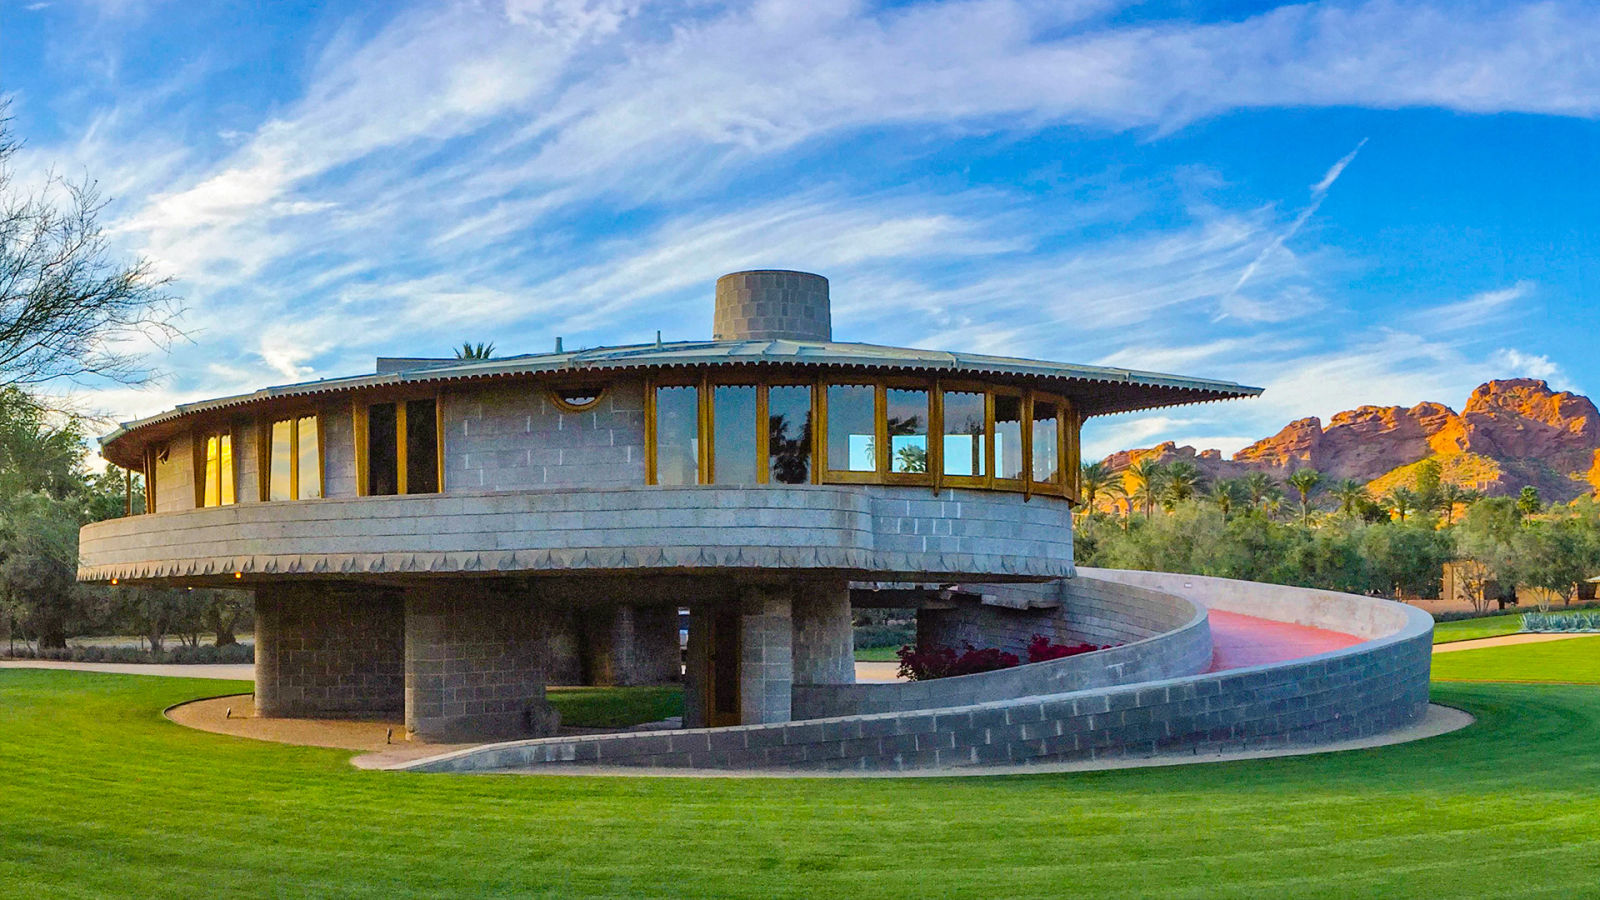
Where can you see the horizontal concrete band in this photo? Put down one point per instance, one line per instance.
(868, 529)
(1363, 690)
(1160, 636)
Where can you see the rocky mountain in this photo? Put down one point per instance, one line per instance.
(1509, 434)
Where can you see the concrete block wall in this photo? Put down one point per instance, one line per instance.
(174, 477)
(338, 449)
(1358, 691)
(328, 650)
(1171, 638)
(828, 527)
(516, 438)
(247, 486)
(824, 639)
(766, 648)
(474, 662)
(632, 645)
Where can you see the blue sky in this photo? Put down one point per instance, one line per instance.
(1344, 203)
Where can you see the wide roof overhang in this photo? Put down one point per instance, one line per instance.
(1097, 390)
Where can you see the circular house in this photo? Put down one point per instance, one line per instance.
(444, 537)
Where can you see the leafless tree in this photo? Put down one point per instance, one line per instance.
(70, 308)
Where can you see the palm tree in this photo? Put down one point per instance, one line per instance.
(1402, 501)
(1304, 481)
(1351, 494)
(1225, 492)
(1148, 476)
(1273, 501)
(469, 350)
(1095, 479)
(1452, 494)
(1257, 485)
(1182, 481)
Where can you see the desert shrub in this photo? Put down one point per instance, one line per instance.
(232, 653)
(944, 662)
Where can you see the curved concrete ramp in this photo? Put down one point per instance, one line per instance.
(1356, 667)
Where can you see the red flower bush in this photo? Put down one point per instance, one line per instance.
(1041, 649)
(943, 662)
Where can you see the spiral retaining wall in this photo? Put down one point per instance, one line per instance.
(1359, 691)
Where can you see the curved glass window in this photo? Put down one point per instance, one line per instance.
(294, 468)
(966, 453)
(733, 456)
(677, 435)
(906, 418)
(1046, 442)
(217, 476)
(1008, 437)
(789, 434)
(852, 428)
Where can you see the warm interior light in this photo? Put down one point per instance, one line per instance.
(238, 574)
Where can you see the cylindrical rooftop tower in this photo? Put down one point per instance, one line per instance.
(772, 305)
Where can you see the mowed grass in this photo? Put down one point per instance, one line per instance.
(615, 707)
(1472, 629)
(104, 798)
(877, 654)
(1574, 659)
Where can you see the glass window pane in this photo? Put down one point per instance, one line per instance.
(852, 425)
(733, 427)
(907, 416)
(1007, 437)
(1046, 446)
(225, 467)
(964, 450)
(677, 435)
(278, 487)
(789, 434)
(422, 447)
(383, 458)
(309, 451)
(211, 472)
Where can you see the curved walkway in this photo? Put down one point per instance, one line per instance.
(1239, 640)
(1506, 640)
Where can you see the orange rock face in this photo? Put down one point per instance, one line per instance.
(1520, 431)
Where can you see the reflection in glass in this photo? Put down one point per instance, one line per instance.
(422, 447)
(789, 434)
(1046, 442)
(218, 489)
(907, 415)
(964, 450)
(281, 472)
(383, 458)
(677, 435)
(308, 452)
(851, 428)
(733, 429)
(1007, 437)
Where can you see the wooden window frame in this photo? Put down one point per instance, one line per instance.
(553, 392)
(199, 439)
(986, 480)
(831, 475)
(702, 416)
(764, 429)
(886, 456)
(1055, 488)
(1024, 429)
(264, 454)
(359, 411)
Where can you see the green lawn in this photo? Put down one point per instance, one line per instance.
(1471, 629)
(876, 654)
(1567, 660)
(100, 796)
(615, 707)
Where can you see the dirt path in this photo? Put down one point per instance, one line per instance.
(1505, 640)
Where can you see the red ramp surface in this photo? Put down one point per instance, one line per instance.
(1239, 641)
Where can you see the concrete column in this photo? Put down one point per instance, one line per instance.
(631, 645)
(766, 676)
(824, 640)
(474, 662)
(326, 650)
(696, 667)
